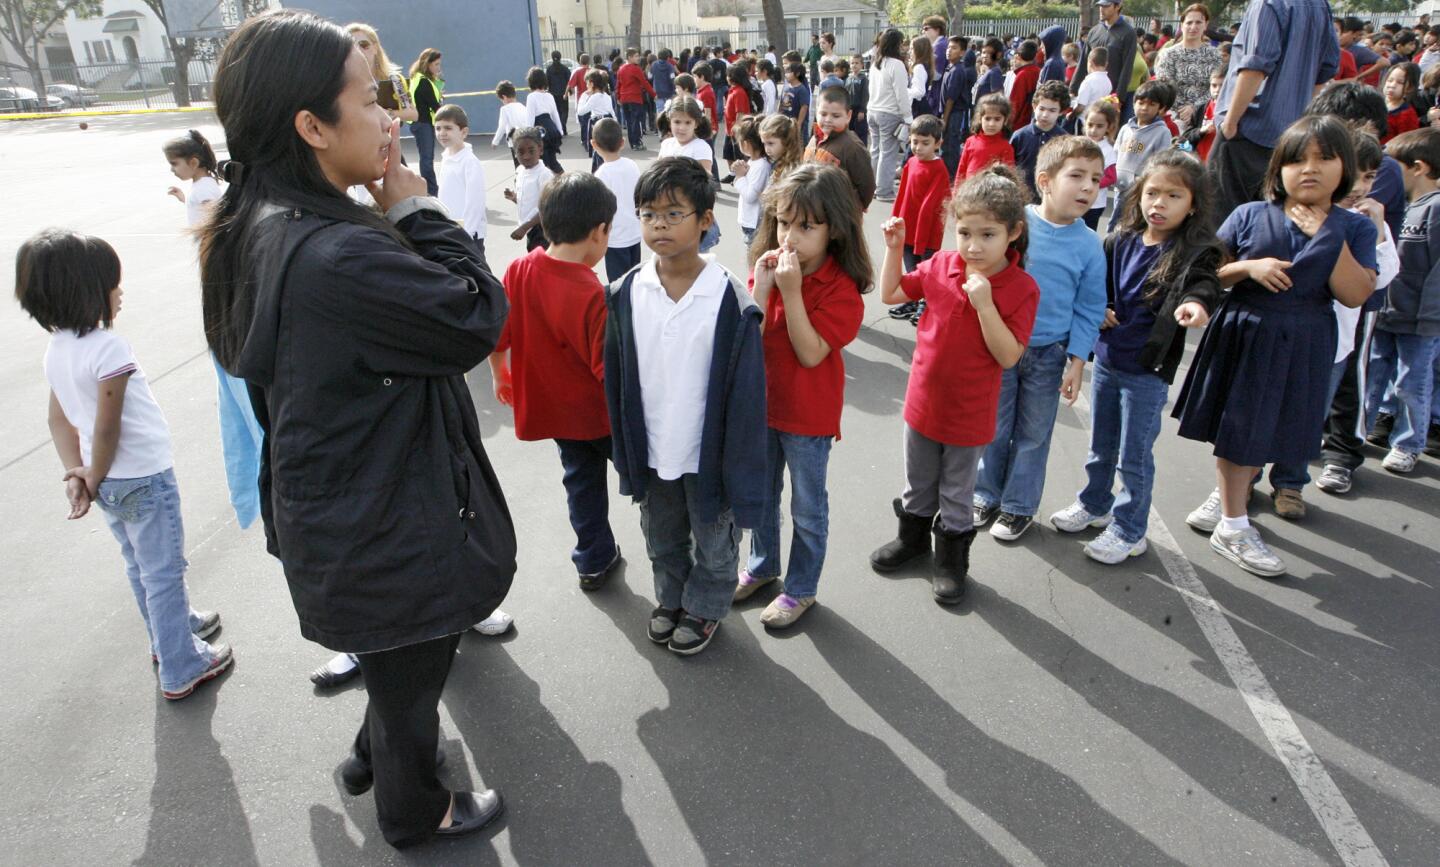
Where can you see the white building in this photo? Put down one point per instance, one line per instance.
(574, 26)
(855, 24)
(125, 30)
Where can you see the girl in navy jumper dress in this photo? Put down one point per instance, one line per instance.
(1258, 387)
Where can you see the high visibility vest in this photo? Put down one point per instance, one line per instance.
(439, 86)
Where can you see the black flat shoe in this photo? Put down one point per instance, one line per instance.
(324, 678)
(596, 580)
(357, 776)
(471, 812)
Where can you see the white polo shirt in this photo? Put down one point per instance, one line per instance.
(673, 345)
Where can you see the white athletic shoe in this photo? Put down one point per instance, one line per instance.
(498, 623)
(1109, 548)
(1075, 517)
(1247, 550)
(1207, 517)
(1399, 462)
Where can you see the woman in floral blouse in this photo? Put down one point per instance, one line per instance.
(1187, 63)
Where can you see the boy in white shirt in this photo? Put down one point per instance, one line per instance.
(530, 179)
(1096, 85)
(462, 176)
(619, 174)
(513, 116)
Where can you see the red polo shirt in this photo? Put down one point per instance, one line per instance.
(556, 338)
(954, 386)
(807, 400)
(632, 85)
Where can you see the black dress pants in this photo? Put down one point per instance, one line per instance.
(400, 734)
(1239, 168)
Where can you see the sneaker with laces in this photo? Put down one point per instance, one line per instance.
(1247, 550)
(784, 610)
(662, 624)
(749, 584)
(1009, 526)
(981, 514)
(209, 622)
(693, 634)
(1334, 480)
(1399, 461)
(1075, 517)
(1289, 504)
(498, 623)
(903, 311)
(1207, 517)
(1109, 548)
(222, 657)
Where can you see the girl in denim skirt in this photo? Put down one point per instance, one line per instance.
(115, 444)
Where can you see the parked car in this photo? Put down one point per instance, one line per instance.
(22, 99)
(73, 95)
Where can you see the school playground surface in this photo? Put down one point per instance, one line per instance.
(1067, 713)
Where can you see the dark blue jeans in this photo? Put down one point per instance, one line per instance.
(634, 122)
(424, 134)
(1012, 471)
(1125, 411)
(807, 458)
(587, 493)
(619, 260)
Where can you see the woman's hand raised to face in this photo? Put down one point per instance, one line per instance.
(399, 181)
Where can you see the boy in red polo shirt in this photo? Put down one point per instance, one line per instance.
(550, 363)
(631, 88)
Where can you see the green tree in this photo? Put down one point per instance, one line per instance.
(24, 23)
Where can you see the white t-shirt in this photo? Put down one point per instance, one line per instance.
(1094, 88)
(621, 176)
(673, 345)
(771, 96)
(695, 149)
(750, 188)
(1107, 150)
(528, 184)
(203, 191)
(597, 105)
(540, 102)
(75, 366)
(513, 116)
(1388, 258)
(462, 189)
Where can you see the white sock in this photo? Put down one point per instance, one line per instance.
(1235, 525)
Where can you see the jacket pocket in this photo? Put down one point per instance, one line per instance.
(129, 500)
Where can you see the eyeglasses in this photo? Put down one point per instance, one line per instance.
(670, 218)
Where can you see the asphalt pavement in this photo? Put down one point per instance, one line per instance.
(1171, 710)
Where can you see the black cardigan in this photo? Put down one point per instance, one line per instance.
(1198, 281)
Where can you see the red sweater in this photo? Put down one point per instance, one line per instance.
(924, 186)
(1402, 119)
(556, 338)
(980, 151)
(1027, 78)
(633, 85)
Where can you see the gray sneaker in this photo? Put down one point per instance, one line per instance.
(1247, 550)
(1399, 461)
(1109, 548)
(1207, 517)
(1335, 479)
(1075, 517)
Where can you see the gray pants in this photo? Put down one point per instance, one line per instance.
(694, 562)
(940, 478)
(884, 151)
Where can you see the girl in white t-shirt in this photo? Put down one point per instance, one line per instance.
(115, 444)
(687, 129)
(192, 159)
(1100, 124)
(752, 174)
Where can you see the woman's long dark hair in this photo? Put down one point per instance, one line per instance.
(887, 44)
(275, 66)
(820, 193)
(1194, 237)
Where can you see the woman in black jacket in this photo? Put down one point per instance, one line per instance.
(353, 331)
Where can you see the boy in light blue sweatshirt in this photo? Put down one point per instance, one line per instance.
(1068, 262)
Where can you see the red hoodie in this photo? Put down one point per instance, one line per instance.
(633, 85)
(924, 186)
(1027, 78)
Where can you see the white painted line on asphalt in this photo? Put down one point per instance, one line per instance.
(1335, 815)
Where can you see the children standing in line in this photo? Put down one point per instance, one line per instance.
(752, 175)
(1144, 136)
(620, 175)
(1052, 99)
(1257, 387)
(989, 141)
(462, 175)
(530, 178)
(1066, 261)
(685, 388)
(512, 117)
(191, 159)
(836, 145)
(982, 308)
(810, 267)
(1100, 125)
(550, 361)
(115, 444)
(1160, 279)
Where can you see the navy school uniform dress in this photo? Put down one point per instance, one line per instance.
(1259, 386)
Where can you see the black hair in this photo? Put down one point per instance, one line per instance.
(1195, 234)
(1368, 153)
(1055, 91)
(888, 44)
(535, 78)
(766, 67)
(573, 204)
(527, 133)
(836, 94)
(190, 146)
(1411, 71)
(1027, 51)
(669, 176)
(691, 108)
(841, 64)
(1333, 138)
(1350, 24)
(1354, 102)
(505, 88)
(454, 114)
(797, 70)
(607, 135)
(63, 279)
(274, 66)
(555, 56)
(1417, 145)
(1155, 90)
(1099, 56)
(929, 125)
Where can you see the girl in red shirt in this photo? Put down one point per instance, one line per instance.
(810, 267)
(981, 311)
(990, 142)
(1401, 83)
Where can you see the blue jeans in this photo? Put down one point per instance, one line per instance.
(1411, 357)
(1297, 476)
(634, 123)
(144, 516)
(711, 236)
(587, 494)
(1125, 416)
(694, 561)
(424, 134)
(619, 260)
(1012, 471)
(1435, 390)
(807, 457)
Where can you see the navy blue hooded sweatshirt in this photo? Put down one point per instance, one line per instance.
(1053, 38)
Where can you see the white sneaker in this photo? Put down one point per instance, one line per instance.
(1109, 548)
(1399, 462)
(1247, 550)
(1075, 517)
(498, 623)
(1207, 517)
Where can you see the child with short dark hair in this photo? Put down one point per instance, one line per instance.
(461, 175)
(857, 84)
(542, 112)
(685, 388)
(956, 88)
(549, 364)
(594, 106)
(836, 145)
(114, 444)
(530, 179)
(619, 174)
(989, 141)
(512, 117)
(1052, 100)
(920, 202)
(1027, 78)
(1144, 136)
(795, 101)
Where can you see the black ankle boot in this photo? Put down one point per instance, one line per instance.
(912, 541)
(952, 564)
